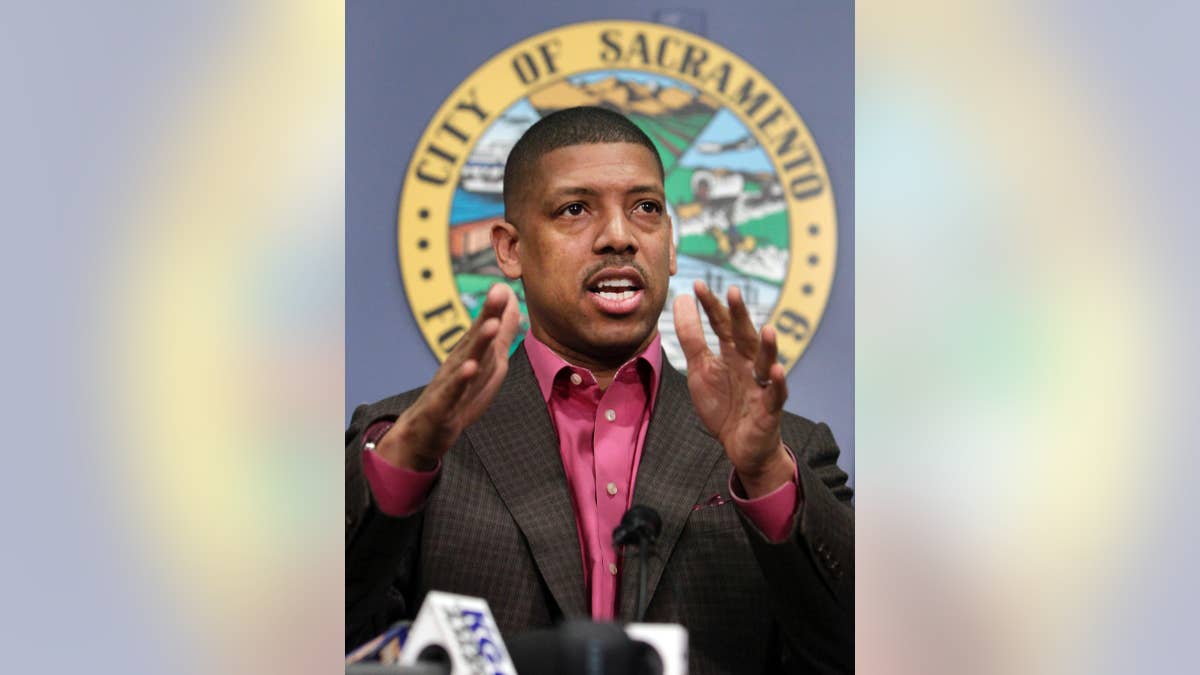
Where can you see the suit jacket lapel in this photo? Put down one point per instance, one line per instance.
(516, 443)
(677, 460)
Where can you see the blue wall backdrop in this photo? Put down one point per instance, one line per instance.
(404, 59)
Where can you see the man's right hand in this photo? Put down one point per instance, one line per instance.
(460, 391)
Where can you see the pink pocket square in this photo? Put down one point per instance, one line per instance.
(713, 501)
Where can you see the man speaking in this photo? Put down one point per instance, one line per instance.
(504, 477)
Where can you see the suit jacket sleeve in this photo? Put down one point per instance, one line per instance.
(811, 573)
(381, 550)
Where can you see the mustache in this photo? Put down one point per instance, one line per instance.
(615, 262)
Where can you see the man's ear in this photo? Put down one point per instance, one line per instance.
(674, 267)
(506, 243)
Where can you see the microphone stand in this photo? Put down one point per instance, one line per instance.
(643, 563)
(639, 527)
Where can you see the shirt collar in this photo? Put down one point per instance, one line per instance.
(547, 365)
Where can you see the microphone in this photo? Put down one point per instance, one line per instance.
(640, 523)
(383, 648)
(668, 641)
(639, 528)
(582, 647)
(460, 632)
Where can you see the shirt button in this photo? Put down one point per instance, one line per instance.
(612, 569)
(610, 415)
(612, 489)
(575, 378)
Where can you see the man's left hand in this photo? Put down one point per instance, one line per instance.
(739, 393)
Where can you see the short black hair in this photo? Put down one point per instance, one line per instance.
(571, 126)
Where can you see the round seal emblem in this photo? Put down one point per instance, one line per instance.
(747, 191)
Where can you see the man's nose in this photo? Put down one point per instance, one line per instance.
(616, 235)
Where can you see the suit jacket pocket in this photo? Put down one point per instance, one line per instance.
(710, 519)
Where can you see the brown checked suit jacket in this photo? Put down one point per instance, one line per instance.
(498, 524)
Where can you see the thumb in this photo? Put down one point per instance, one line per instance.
(688, 329)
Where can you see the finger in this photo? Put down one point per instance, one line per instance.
(767, 353)
(496, 300)
(471, 348)
(494, 357)
(510, 319)
(484, 336)
(491, 362)
(444, 395)
(471, 344)
(718, 316)
(744, 334)
(493, 305)
(494, 354)
(777, 391)
(773, 371)
(687, 328)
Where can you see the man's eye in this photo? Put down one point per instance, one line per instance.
(575, 209)
(650, 207)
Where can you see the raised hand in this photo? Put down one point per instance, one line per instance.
(460, 391)
(739, 393)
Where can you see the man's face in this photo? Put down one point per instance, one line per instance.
(593, 248)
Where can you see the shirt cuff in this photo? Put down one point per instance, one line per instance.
(773, 512)
(398, 492)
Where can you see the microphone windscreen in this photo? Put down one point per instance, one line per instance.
(646, 517)
(640, 523)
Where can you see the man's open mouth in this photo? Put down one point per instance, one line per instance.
(617, 291)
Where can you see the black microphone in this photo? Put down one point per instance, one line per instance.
(639, 528)
(581, 647)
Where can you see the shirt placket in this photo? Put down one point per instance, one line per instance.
(616, 425)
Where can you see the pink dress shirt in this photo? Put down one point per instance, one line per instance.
(601, 434)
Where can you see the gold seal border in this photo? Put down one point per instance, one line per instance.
(423, 254)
